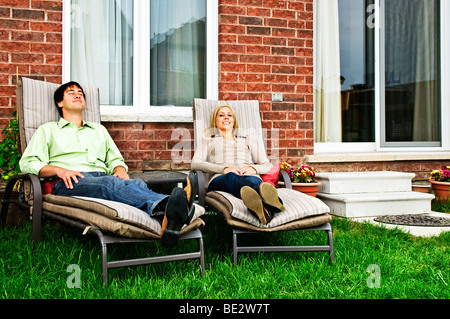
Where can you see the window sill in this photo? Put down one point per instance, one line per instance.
(155, 115)
(378, 157)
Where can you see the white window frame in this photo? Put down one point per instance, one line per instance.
(141, 110)
(376, 147)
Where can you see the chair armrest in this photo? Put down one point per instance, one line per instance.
(37, 202)
(286, 179)
(201, 188)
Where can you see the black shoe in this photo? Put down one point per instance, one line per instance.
(253, 202)
(191, 190)
(175, 216)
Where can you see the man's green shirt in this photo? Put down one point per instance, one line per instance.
(86, 149)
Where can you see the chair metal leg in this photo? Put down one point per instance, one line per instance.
(235, 248)
(330, 244)
(106, 239)
(104, 252)
(324, 248)
(202, 254)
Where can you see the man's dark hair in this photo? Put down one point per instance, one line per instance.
(59, 94)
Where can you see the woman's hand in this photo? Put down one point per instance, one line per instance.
(235, 170)
(240, 171)
(248, 171)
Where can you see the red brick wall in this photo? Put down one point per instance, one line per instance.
(148, 146)
(266, 46)
(30, 44)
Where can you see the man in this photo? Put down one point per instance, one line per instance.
(82, 160)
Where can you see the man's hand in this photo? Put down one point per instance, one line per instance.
(119, 171)
(67, 176)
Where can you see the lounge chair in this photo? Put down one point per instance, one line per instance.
(111, 222)
(303, 212)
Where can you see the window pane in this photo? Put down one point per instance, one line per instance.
(102, 48)
(344, 72)
(177, 51)
(357, 72)
(356, 39)
(412, 68)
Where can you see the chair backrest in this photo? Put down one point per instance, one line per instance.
(247, 113)
(35, 106)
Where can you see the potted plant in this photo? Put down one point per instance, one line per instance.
(303, 179)
(440, 182)
(10, 151)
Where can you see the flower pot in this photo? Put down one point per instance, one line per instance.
(421, 188)
(306, 188)
(441, 189)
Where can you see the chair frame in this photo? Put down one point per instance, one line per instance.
(326, 227)
(38, 214)
(329, 247)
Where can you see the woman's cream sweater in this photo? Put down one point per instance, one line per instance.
(215, 153)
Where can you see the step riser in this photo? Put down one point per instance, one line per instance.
(364, 182)
(376, 208)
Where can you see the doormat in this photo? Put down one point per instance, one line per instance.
(415, 220)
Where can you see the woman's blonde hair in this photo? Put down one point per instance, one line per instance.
(212, 129)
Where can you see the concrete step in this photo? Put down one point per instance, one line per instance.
(369, 194)
(377, 204)
(364, 182)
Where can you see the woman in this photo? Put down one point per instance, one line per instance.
(236, 162)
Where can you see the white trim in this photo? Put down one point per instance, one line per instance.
(380, 133)
(325, 148)
(65, 43)
(156, 114)
(141, 49)
(212, 49)
(141, 111)
(378, 157)
(445, 73)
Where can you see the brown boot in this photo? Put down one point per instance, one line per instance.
(269, 196)
(253, 202)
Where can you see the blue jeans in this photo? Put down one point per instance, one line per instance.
(232, 183)
(133, 192)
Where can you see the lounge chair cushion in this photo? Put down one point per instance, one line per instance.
(299, 207)
(117, 218)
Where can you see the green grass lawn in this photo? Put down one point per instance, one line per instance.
(370, 263)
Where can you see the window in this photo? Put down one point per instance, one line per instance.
(378, 67)
(411, 103)
(148, 58)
